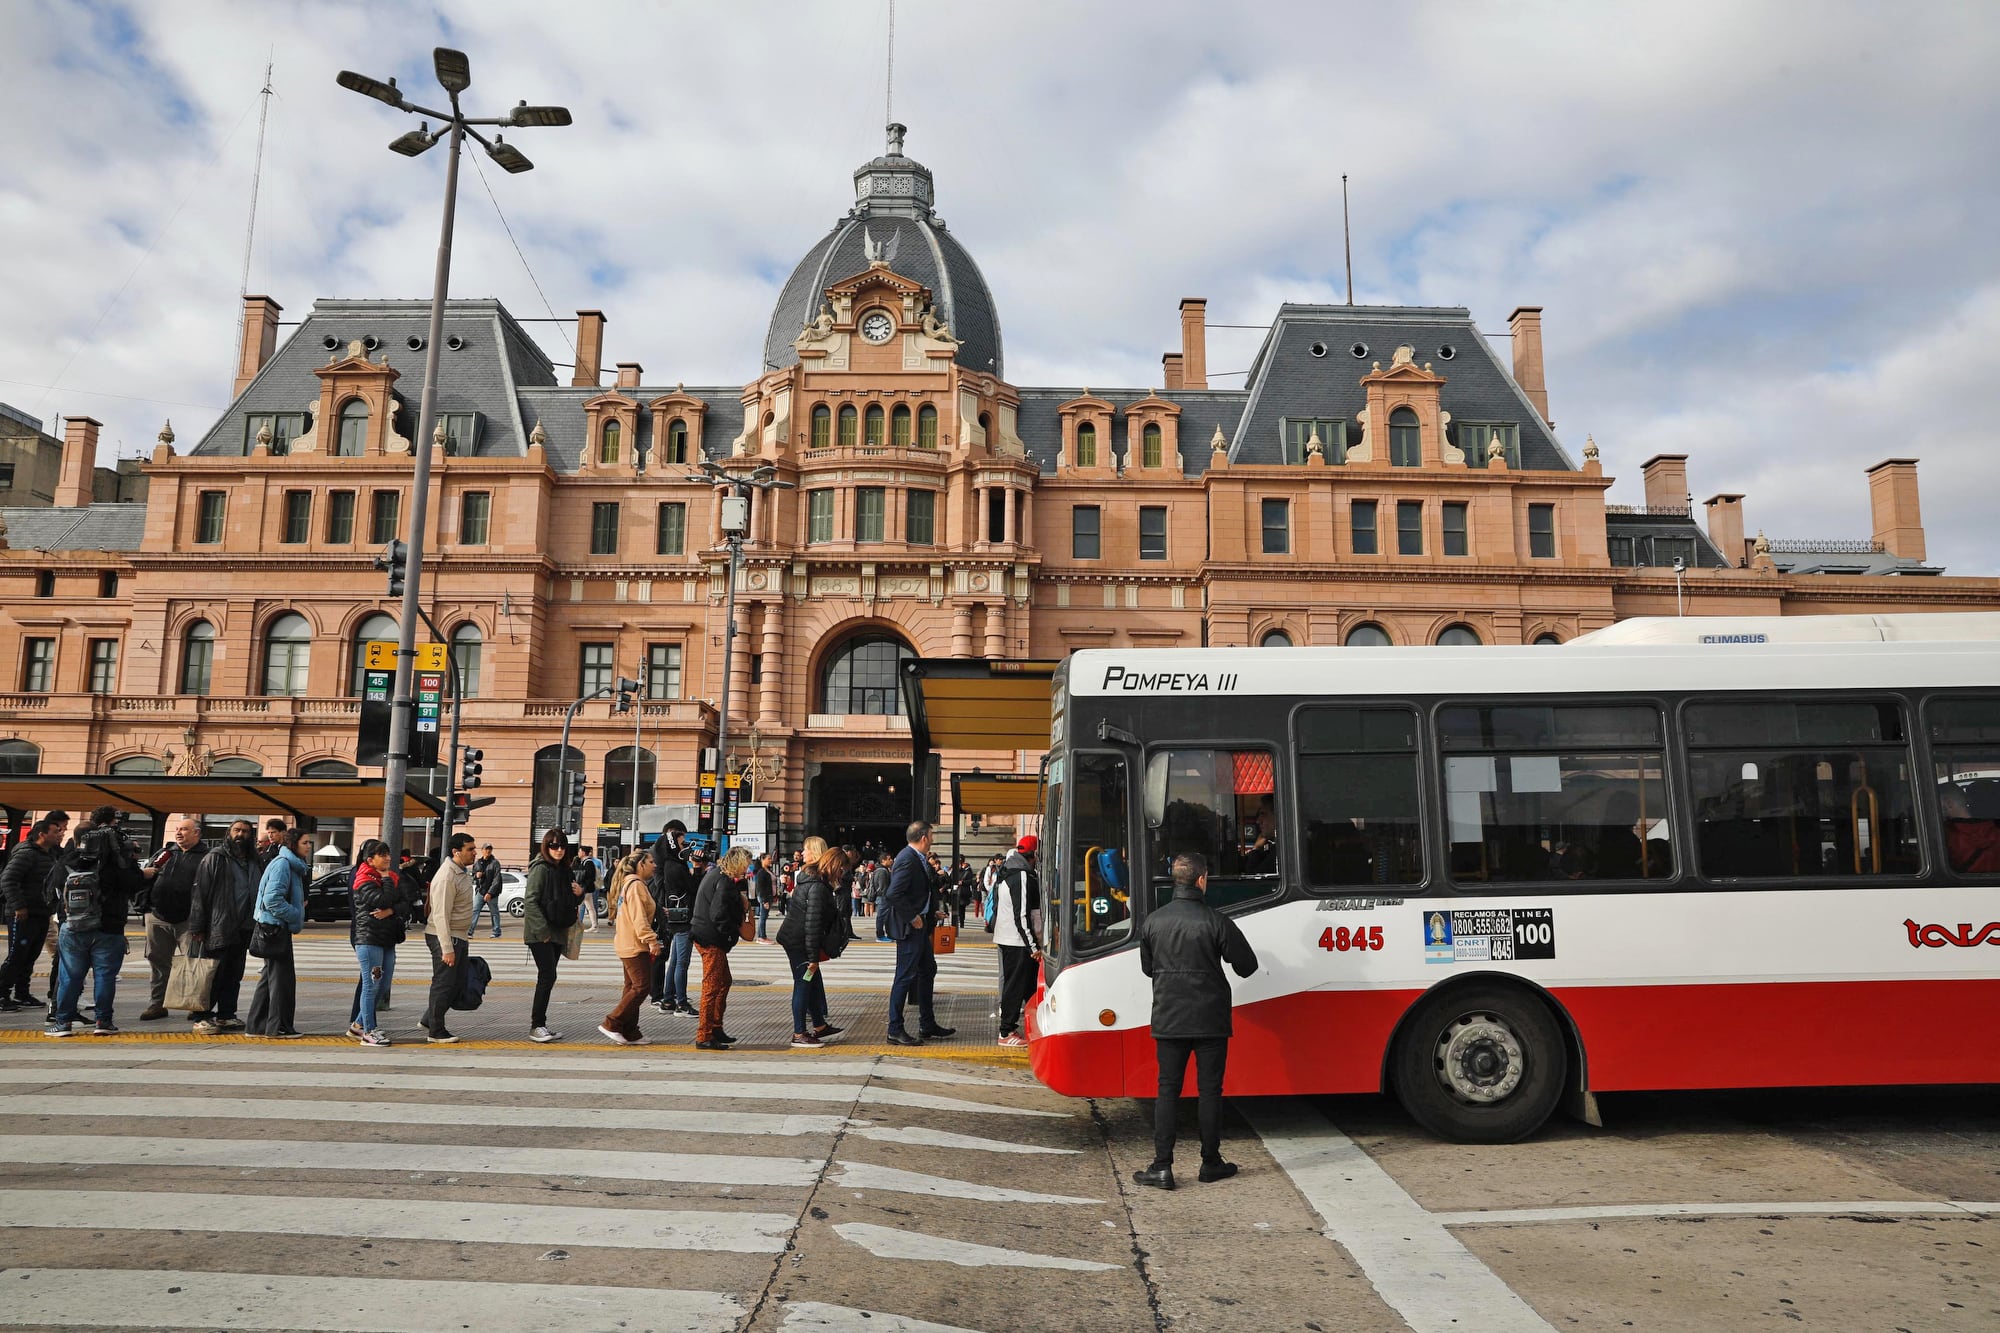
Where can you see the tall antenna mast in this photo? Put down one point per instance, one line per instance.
(256, 181)
(1346, 240)
(889, 79)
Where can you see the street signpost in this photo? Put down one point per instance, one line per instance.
(378, 683)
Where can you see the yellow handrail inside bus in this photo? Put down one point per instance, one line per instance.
(1874, 827)
(1645, 869)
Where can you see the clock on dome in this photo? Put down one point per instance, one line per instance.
(877, 327)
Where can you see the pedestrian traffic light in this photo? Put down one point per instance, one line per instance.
(461, 807)
(395, 560)
(469, 768)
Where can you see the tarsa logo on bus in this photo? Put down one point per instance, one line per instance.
(1936, 937)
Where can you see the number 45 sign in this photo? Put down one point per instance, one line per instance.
(1341, 938)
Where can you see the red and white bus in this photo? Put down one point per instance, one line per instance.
(1685, 854)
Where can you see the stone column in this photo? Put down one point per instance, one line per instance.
(715, 518)
(978, 535)
(996, 629)
(1027, 518)
(893, 513)
(739, 663)
(961, 630)
(843, 515)
(1007, 517)
(771, 696)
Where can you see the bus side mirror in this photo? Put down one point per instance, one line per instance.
(1156, 789)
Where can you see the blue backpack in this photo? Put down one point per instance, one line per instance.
(472, 986)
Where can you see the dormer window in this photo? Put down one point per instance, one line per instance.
(353, 441)
(461, 432)
(1150, 445)
(608, 444)
(1475, 437)
(677, 442)
(1297, 432)
(1086, 444)
(1405, 439)
(284, 427)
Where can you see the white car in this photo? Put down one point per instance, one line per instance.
(514, 892)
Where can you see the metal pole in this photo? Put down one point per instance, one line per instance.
(396, 764)
(722, 712)
(457, 709)
(638, 722)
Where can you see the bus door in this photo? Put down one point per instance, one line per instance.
(1094, 835)
(1222, 804)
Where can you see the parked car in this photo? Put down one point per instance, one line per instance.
(514, 892)
(327, 897)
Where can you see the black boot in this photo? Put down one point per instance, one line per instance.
(1159, 1177)
(1212, 1171)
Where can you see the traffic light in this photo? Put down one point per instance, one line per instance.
(628, 694)
(395, 560)
(469, 768)
(577, 782)
(461, 808)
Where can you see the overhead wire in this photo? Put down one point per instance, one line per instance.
(561, 325)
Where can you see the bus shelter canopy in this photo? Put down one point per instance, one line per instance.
(299, 798)
(991, 795)
(957, 703)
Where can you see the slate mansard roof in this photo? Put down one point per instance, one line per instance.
(1290, 379)
(560, 412)
(494, 359)
(105, 527)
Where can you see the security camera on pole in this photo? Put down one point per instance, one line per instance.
(735, 495)
(454, 74)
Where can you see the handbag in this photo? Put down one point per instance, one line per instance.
(748, 930)
(189, 982)
(573, 941)
(269, 941)
(944, 939)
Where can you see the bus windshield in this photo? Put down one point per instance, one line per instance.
(1097, 893)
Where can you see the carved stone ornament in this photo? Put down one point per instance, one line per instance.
(904, 585)
(1314, 446)
(835, 585)
(264, 437)
(538, 436)
(1216, 443)
(1404, 355)
(357, 349)
(934, 328)
(1762, 546)
(1495, 448)
(1590, 448)
(167, 433)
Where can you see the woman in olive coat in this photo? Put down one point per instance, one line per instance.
(549, 911)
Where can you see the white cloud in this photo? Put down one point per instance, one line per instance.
(1761, 232)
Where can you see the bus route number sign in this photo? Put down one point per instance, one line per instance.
(1489, 935)
(1340, 939)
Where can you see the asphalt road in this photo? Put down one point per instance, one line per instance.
(161, 1181)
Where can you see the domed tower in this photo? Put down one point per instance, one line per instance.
(892, 221)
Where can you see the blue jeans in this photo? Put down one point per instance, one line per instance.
(680, 953)
(101, 951)
(763, 919)
(916, 973)
(374, 959)
(481, 906)
(808, 997)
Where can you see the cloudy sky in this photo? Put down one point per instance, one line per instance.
(1763, 234)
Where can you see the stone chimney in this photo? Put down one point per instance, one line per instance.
(589, 348)
(1194, 343)
(1526, 326)
(260, 339)
(1666, 481)
(1725, 526)
(1892, 499)
(1171, 376)
(629, 374)
(79, 462)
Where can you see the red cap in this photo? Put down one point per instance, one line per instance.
(1029, 842)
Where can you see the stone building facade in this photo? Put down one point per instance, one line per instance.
(1383, 476)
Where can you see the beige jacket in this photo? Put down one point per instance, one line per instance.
(453, 899)
(634, 923)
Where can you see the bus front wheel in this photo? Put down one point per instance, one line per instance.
(1480, 1063)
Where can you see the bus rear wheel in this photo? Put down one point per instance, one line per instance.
(1480, 1063)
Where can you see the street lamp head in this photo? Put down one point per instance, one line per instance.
(415, 143)
(511, 159)
(538, 115)
(454, 71)
(367, 87)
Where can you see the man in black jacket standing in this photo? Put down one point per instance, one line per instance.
(24, 884)
(1182, 948)
(906, 915)
(220, 920)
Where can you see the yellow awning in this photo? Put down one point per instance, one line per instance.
(317, 798)
(977, 704)
(996, 794)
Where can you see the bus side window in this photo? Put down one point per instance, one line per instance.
(1357, 788)
(1965, 749)
(1539, 792)
(1223, 805)
(1099, 894)
(1804, 790)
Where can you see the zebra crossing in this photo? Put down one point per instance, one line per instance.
(866, 965)
(227, 1186)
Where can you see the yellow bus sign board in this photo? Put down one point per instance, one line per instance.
(381, 656)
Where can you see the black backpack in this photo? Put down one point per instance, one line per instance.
(83, 891)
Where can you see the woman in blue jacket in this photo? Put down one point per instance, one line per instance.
(279, 915)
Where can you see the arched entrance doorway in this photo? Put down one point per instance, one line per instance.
(862, 804)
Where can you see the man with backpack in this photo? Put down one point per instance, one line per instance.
(96, 900)
(167, 912)
(673, 917)
(220, 922)
(24, 885)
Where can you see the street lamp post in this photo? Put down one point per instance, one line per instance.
(735, 521)
(454, 75)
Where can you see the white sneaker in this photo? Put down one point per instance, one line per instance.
(376, 1038)
(208, 1027)
(544, 1036)
(61, 1030)
(616, 1038)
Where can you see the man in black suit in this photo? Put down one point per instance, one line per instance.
(906, 919)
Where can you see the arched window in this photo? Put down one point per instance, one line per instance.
(619, 776)
(1368, 636)
(197, 657)
(236, 766)
(927, 427)
(607, 443)
(20, 758)
(677, 441)
(353, 429)
(899, 426)
(861, 676)
(1405, 439)
(549, 764)
(822, 429)
(466, 645)
(850, 423)
(875, 419)
(1150, 445)
(1547, 641)
(1276, 638)
(287, 654)
(330, 768)
(1458, 636)
(377, 626)
(138, 765)
(1086, 444)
